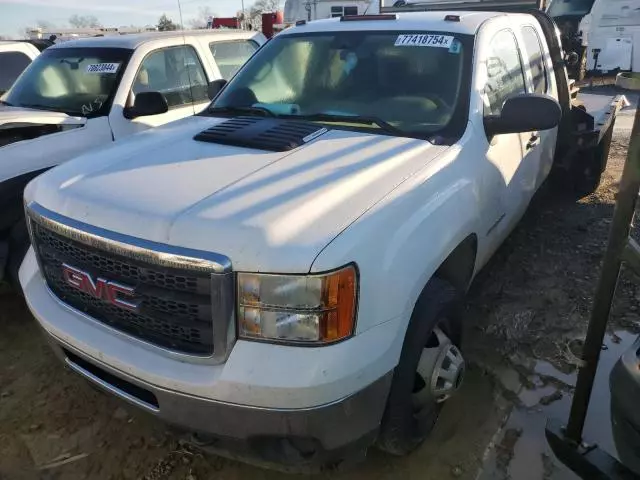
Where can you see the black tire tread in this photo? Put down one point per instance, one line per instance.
(583, 183)
(396, 435)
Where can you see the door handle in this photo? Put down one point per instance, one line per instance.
(533, 141)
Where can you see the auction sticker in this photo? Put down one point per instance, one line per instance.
(103, 68)
(424, 40)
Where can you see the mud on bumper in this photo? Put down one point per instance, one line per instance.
(281, 438)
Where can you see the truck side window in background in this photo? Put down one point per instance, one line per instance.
(230, 56)
(176, 72)
(505, 75)
(13, 63)
(343, 11)
(533, 51)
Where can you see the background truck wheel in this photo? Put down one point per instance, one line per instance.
(18, 246)
(587, 168)
(581, 67)
(430, 370)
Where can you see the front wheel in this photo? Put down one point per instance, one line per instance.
(430, 370)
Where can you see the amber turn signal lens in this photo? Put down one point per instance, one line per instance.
(307, 309)
(339, 295)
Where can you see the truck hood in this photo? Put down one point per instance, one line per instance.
(11, 117)
(265, 210)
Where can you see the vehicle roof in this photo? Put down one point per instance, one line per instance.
(19, 46)
(469, 22)
(135, 40)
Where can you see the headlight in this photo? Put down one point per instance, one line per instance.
(297, 308)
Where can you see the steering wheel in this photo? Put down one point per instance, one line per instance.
(439, 101)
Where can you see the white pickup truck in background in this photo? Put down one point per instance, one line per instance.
(82, 95)
(276, 274)
(14, 58)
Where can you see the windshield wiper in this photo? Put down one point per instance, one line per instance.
(230, 110)
(2, 102)
(365, 120)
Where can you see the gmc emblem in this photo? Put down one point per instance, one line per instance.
(111, 292)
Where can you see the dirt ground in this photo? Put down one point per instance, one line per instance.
(525, 309)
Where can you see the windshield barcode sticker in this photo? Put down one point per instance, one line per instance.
(103, 68)
(424, 40)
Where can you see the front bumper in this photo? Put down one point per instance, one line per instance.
(324, 400)
(625, 415)
(297, 437)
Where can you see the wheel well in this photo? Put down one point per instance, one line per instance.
(457, 268)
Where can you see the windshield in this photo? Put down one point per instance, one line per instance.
(75, 81)
(559, 8)
(414, 84)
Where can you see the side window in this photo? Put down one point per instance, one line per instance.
(11, 66)
(176, 72)
(533, 50)
(346, 11)
(505, 75)
(230, 56)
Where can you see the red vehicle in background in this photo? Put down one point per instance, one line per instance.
(224, 22)
(270, 23)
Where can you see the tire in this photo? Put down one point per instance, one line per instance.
(578, 72)
(403, 427)
(586, 172)
(18, 246)
(581, 68)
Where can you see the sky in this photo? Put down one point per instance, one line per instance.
(15, 15)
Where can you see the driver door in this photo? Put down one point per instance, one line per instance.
(176, 72)
(508, 179)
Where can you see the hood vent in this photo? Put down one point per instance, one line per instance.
(273, 134)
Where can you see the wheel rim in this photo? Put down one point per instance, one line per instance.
(439, 373)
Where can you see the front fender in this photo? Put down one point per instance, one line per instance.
(399, 243)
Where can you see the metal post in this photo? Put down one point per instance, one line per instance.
(618, 240)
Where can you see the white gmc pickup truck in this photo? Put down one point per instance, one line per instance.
(276, 273)
(82, 95)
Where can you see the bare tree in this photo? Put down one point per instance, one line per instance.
(45, 25)
(84, 21)
(200, 20)
(254, 15)
(166, 24)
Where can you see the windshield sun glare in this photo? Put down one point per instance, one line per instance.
(75, 81)
(391, 82)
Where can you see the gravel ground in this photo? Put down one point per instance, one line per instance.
(529, 303)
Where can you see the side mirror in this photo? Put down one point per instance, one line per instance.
(526, 112)
(216, 87)
(147, 103)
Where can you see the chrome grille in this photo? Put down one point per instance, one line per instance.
(174, 305)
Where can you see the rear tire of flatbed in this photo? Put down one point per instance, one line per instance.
(586, 173)
(581, 68)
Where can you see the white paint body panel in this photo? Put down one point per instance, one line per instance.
(397, 207)
(97, 133)
(22, 47)
(613, 27)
